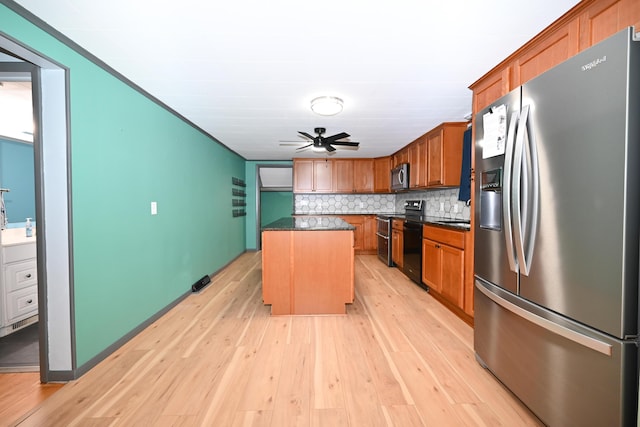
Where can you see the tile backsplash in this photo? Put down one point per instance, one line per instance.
(442, 203)
(447, 199)
(343, 203)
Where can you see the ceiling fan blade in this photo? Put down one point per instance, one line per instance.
(305, 135)
(329, 148)
(336, 137)
(348, 144)
(302, 148)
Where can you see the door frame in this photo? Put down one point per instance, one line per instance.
(51, 141)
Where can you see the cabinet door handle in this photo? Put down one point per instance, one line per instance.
(28, 276)
(29, 301)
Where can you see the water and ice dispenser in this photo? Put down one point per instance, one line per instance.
(491, 199)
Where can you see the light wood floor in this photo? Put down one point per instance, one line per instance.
(398, 358)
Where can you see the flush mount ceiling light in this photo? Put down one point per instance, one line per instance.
(326, 105)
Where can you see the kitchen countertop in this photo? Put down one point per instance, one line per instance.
(457, 224)
(16, 236)
(308, 223)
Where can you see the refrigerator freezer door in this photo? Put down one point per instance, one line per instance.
(585, 264)
(572, 376)
(494, 255)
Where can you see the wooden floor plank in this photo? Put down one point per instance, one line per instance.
(398, 358)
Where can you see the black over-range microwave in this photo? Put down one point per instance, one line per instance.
(400, 177)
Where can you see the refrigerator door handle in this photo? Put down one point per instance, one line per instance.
(525, 187)
(506, 193)
(584, 340)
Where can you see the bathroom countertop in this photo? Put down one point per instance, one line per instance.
(16, 236)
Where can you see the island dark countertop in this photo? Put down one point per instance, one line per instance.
(308, 223)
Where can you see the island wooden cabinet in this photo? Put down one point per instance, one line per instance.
(397, 242)
(307, 272)
(312, 176)
(443, 266)
(382, 174)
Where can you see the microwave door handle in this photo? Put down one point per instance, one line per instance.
(401, 176)
(507, 186)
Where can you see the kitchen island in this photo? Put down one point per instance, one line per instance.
(308, 265)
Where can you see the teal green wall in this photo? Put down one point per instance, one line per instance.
(126, 152)
(251, 179)
(16, 174)
(275, 205)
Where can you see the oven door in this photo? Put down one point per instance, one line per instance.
(412, 251)
(383, 223)
(383, 233)
(384, 249)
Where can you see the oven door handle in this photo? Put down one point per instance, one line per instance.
(383, 236)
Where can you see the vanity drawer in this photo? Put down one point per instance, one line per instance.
(22, 303)
(18, 252)
(20, 275)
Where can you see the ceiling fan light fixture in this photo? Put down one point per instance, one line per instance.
(326, 105)
(317, 148)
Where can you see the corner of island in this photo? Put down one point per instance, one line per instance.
(308, 265)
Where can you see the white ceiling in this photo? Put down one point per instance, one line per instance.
(245, 71)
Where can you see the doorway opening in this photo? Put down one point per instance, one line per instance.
(19, 326)
(274, 195)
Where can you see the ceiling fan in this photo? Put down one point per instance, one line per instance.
(327, 143)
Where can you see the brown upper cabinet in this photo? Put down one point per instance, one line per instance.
(343, 175)
(401, 156)
(588, 23)
(435, 158)
(416, 164)
(333, 175)
(444, 154)
(382, 174)
(312, 176)
(363, 175)
(353, 175)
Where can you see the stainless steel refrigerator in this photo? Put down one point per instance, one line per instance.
(557, 214)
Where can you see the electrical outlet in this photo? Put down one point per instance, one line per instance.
(455, 208)
(441, 206)
(361, 204)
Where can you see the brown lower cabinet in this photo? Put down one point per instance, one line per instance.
(364, 235)
(443, 267)
(397, 242)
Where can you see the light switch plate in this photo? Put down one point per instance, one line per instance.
(154, 208)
